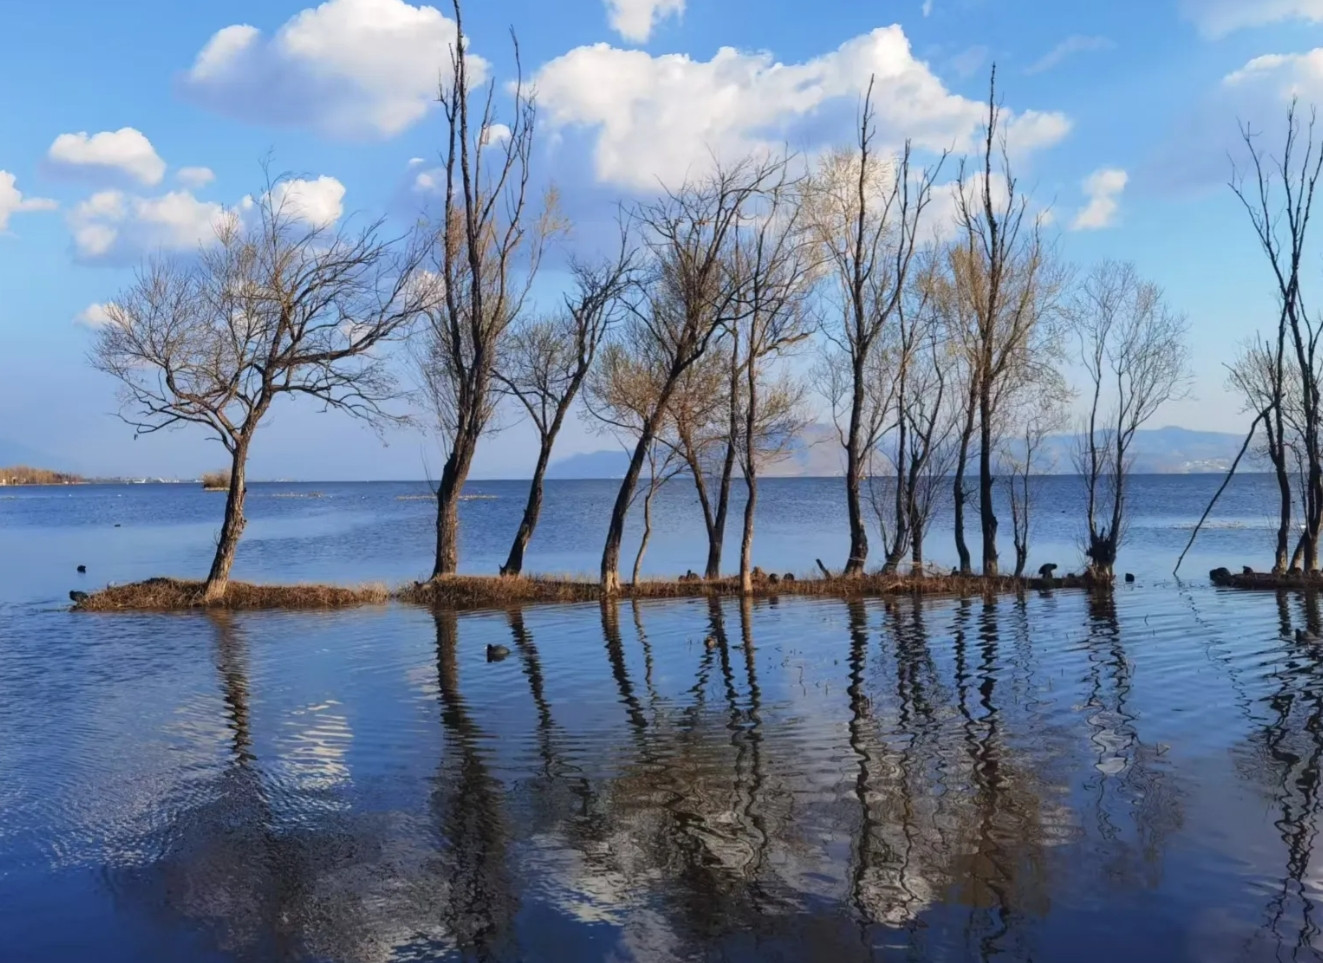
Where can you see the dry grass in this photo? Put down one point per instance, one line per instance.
(216, 481)
(173, 595)
(26, 475)
(464, 591)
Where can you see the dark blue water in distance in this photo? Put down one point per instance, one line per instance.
(1054, 777)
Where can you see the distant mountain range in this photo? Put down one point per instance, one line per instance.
(816, 453)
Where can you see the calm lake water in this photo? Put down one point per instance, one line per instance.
(1057, 777)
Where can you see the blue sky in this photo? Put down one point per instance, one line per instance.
(630, 91)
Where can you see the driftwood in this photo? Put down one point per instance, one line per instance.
(1249, 437)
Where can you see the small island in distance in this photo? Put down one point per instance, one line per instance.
(26, 475)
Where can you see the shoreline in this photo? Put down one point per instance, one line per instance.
(496, 592)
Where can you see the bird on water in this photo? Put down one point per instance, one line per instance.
(495, 653)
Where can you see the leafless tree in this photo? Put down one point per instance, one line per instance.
(866, 211)
(664, 463)
(545, 362)
(918, 421)
(1007, 287)
(776, 267)
(1278, 196)
(489, 253)
(1023, 460)
(1260, 375)
(1132, 348)
(276, 307)
(690, 301)
(698, 426)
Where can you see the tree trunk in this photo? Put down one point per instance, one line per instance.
(453, 476)
(647, 531)
(514, 562)
(717, 536)
(615, 532)
(854, 469)
(746, 540)
(958, 491)
(218, 579)
(987, 516)
(1277, 454)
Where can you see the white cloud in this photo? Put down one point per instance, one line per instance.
(319, 202)
(927, 8)
(1078, 43)
(1103, 189)
(660, 117)
(195, 177)
(126, 151)
(634, 19)
(1217, 18)
(94, 316)
(115, 227)
(348, 68)
(13, 202)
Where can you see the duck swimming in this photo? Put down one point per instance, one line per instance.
(495, 653)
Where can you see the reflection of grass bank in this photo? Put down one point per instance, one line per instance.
(472, 592)
(173, 595)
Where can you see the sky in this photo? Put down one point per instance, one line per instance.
(125, 128)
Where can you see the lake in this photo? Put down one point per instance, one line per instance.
(1056, 777)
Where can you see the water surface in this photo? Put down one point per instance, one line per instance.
(1057, 777)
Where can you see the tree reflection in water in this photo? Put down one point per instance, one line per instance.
(728, 810)
(1284, 755)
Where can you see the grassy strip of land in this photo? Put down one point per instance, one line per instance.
(460, 592)
(175, 595)
(1267, 581)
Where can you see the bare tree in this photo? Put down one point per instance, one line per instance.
(1132, 349)
(664, 463)
(1260, 375)
(1023, 459)
(689, 302)
(918, 419)
(1006, 285)
(777, 271)
(546, 361)
(865, 211)
(699, 422)
(1278, 196)
(276, 307)
(485, 239)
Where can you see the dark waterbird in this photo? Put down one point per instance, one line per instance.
(76, 596)
(1130, 578)
(496, 653)
(82, 569)
(1045, 571)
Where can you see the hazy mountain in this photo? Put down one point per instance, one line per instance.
(816, 453)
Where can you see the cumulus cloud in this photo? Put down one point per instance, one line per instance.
(1077, 43)
(126, 152)
(195, 177)
(1103, 189)
(347, 68)
(13, 202)
(635, 19)
(115, 227)
(319, 202)
(661, 117)
(1217, 18)
(94, 316)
